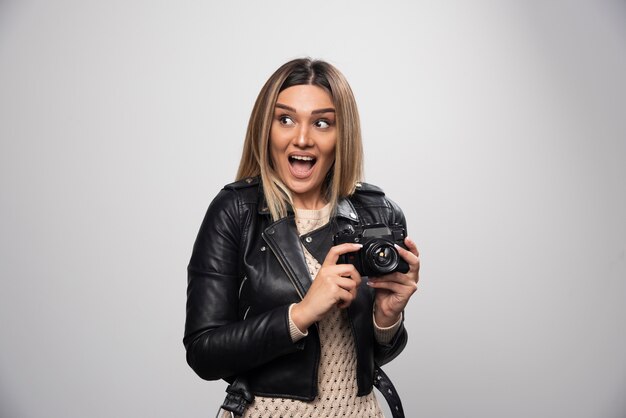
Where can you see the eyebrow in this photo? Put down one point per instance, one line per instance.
(315, 112)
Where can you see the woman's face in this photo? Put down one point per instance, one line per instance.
(303, 136)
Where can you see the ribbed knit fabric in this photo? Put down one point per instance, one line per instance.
(337, 387)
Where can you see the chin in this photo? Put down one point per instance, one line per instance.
(299, 187)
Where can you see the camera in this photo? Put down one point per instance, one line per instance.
(378, 255)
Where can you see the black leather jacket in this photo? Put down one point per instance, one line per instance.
(244, 273)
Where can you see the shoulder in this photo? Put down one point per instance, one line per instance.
(234, 199)
(244, 191)
(362, 187)
(368, 195)
(243, 183)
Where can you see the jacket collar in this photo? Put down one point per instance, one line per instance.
(345, 208)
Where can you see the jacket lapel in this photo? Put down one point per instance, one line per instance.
(319, 241)
(282, 238)
(345, 209)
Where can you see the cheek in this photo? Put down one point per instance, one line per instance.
(274, 157)
(330, 155)
(329, 152)
(275, 147)
(278, 140)
(329, 159)
(273, 153)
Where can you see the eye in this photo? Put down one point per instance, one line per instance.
(322, 124)
(286, 120)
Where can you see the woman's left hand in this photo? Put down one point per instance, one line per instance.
(394, 290)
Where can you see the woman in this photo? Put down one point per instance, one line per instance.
(269, 309)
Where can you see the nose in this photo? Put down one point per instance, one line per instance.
(303, 138)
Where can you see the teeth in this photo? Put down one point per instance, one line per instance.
(302, 158)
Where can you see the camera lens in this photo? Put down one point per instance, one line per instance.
(382, 257)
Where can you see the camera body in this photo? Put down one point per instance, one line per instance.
(378, 255)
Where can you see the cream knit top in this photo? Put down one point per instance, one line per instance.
(337, 386)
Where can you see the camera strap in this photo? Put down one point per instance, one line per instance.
(238, 396)
(386, 388)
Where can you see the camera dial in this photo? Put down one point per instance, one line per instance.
(378, 256)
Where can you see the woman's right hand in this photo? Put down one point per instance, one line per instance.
(334, 285)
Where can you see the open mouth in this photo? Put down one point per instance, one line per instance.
(301, 165)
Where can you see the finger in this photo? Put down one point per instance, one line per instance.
(408, 241)
(343, 304)
(395, 277)
(346, 283)
(337, 250)
(395, 287)
(345, 298)
(408, 256)
(412, 246)
(345, 270)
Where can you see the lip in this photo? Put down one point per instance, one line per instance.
(301, 175)
(301, 154)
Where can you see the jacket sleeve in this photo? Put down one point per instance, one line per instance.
(384, 353)
(218, 343)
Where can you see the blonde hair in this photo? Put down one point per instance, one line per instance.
(347, 169)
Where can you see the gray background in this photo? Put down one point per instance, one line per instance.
(499, 127)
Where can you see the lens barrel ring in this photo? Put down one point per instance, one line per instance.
(381, 256)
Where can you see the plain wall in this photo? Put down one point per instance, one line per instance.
(499, 127)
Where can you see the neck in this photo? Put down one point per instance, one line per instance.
(313, 203)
